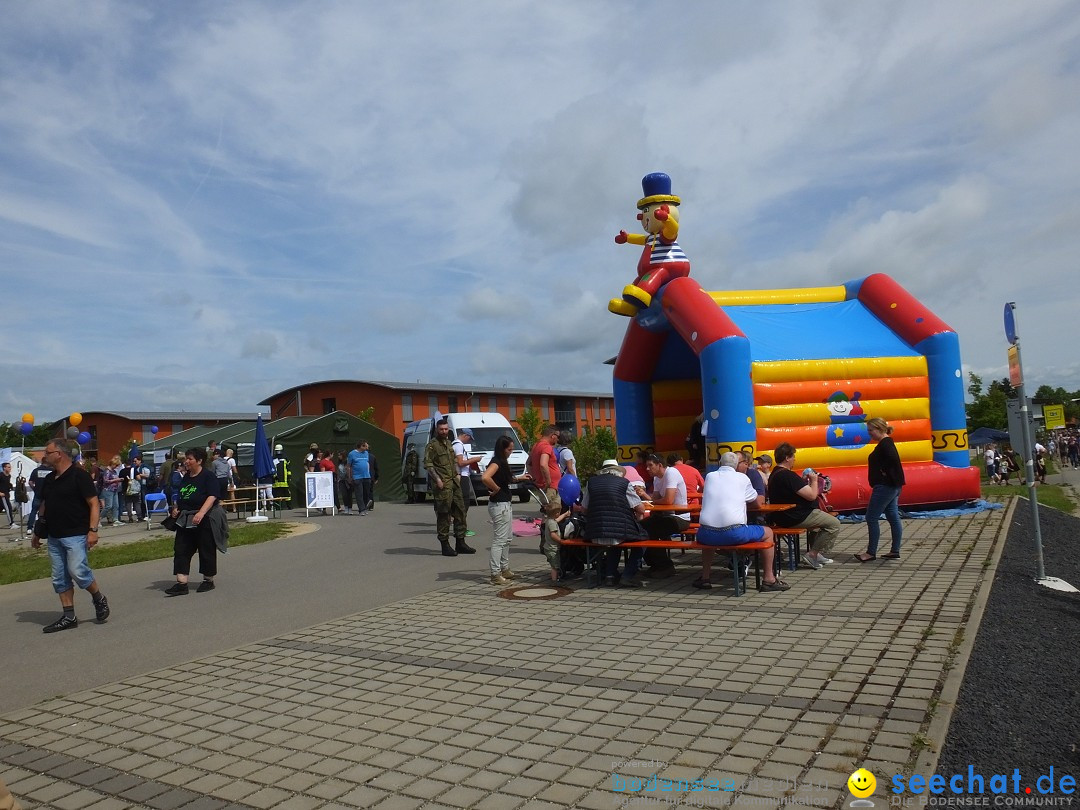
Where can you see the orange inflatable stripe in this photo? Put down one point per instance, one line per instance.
(908, 430)
(817, 413)
(791, 393)
(685, 409)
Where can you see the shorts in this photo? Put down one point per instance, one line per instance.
(69, 562)
(730, 536)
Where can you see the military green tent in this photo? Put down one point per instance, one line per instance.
(333, 431)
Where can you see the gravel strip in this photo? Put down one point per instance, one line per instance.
(1019, 704)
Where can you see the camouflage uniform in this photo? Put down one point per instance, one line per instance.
(411, 468)
(449, 502)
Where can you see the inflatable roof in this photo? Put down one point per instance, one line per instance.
(805, 366)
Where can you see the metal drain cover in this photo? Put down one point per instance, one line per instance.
(533, 592)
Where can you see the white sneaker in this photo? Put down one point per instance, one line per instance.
(811, 561)
(821, 558)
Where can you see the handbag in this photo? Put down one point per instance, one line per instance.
(134, 487)
(169, 524)
(41, 529)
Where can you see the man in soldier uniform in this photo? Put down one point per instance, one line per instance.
(408, 473)
(445, 484)
(282, 478)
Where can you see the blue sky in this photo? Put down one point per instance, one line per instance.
(206, 202)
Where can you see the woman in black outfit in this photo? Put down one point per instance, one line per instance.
(886, 476)
(497, 478)
(198, 492)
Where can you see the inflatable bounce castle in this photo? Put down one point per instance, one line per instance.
(805, 366)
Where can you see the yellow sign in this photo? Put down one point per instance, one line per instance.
(1054, 416)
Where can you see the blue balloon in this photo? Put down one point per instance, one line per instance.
(569, 489)
(83, 438)
(26, 428)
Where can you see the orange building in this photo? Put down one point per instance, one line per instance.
(398, 404)
(111, 430)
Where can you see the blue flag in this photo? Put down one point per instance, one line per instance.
(264, 462)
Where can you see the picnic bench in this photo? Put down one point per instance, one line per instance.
(595, 553)
(242, 500)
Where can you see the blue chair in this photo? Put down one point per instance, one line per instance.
(156, 504)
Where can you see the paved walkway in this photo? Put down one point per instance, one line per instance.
(461, 699)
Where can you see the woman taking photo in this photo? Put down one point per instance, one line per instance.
(886, 476)
(195, 531)
(497, 478)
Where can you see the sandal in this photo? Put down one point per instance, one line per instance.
(865, 557)
(891, 556)
(703, 584)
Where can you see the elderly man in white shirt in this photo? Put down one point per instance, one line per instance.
(723, 521)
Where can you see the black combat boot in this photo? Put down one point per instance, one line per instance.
(446, 550)
(464, 548)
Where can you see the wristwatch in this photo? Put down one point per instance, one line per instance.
(94, 528)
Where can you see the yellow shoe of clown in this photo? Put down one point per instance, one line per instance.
(636, 297)
(620, 307)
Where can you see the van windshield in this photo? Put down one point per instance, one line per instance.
(484, 438)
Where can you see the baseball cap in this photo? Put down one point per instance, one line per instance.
(465, 432)
(764, 457)
(278, 447)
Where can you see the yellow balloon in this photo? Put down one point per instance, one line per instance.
(75, 419)
(28, 417)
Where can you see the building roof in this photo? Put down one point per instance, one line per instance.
(461, 389)
(179, 416)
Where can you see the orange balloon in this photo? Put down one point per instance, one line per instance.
(75, 419)
(28, 417)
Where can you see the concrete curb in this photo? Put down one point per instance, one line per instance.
(926, 762)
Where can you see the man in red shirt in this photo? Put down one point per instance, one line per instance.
(326, 464)
(542, 464)
(695, 484)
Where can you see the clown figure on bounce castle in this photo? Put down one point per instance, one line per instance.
(662, 259)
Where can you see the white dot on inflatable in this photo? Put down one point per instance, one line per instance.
(714, 414)
(693, 336)
(958, 372)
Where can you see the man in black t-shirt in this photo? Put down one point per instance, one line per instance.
(787, 486)
(5, 492)
(70, 510)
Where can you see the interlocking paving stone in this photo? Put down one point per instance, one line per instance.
(412, 703)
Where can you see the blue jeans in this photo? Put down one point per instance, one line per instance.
(884, 499)
(112, 505)
(69, 562)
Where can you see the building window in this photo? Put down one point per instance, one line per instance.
(528, 403)
(329, 405)
(596, 409)
(491, 405)
(513, 408)
(545, 411)
(147, 436)
(406, 407)
(607, 409)
(584, 410)
(433, 404)
(451, 404)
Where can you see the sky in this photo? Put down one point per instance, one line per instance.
(204, 203)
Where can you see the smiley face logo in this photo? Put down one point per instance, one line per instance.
(861, 783)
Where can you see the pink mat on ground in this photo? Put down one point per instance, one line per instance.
(525, 528)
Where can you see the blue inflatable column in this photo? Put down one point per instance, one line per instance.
(948, 419)
(728, 397)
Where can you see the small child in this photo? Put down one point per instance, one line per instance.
(551, 533)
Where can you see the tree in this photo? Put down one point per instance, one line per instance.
(530, 423)
(988, 410)
(11, 435)
(368, 414)
(591, 449)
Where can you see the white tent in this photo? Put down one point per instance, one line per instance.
(20, 465)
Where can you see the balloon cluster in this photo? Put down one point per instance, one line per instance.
(27, 424)
(73, 432)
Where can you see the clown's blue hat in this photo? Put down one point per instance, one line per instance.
(657, 189)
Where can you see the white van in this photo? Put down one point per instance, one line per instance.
(485, 427)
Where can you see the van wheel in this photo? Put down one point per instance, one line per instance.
(420, 496)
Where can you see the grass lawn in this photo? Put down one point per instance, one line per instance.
(27, 564)
(1048, 494)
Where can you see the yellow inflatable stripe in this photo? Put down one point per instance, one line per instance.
(817, 413)
(838, 368)
(677, 389)
(806, 295)
(821, 458)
